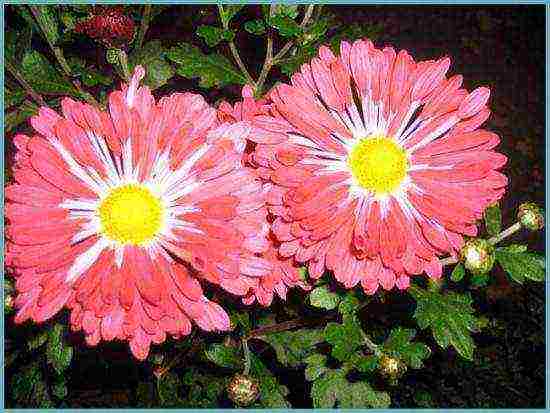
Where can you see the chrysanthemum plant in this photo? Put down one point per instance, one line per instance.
(344, 175)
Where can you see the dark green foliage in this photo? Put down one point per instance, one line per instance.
(213, 35)
(493, 219)
(43, 76)
(520, 264)
(152, 57)
(345, 338)
(449, 315)
(256, 27)
(458, 272)
(292, 347)
(212, 69)
(399, 344)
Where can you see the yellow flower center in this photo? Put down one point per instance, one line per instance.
(378, 164)
(131, 214)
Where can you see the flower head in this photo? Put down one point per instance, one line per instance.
(531, 216)
(377, 163)
(119, 214)
(478, 255)
(108, 25)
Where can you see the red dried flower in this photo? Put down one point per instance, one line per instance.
(108, 25)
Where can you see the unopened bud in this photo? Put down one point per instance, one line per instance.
(243, 390)
(531, 216)
(478, 256)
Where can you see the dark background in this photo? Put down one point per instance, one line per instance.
(502, 47)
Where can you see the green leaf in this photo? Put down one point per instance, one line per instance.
(47, 20)
(332, 388)
(43, 77)
(479, 280)
(286, 26)
(256, 27)
(241, 320)
(59, 389)
(224, 356)
(58, 353)
(290, 11)
(493, 219)
(458, 272)
(13, 97)
(272, 394)
(316, 31)
(16, 43)
(37, 341)
(364, 364)
(345, 338)
(513, 248)
(28, 388)
(350, 304)
(315, 366)
(229, 11)
(19, 115)
(212, 35)
(321, 297)
(152, 56)
(521, 265)
(89, 76)
(450, 317)
(399, 344)
(214, 70)
(204, 390)
(292, 347)
(167, 390)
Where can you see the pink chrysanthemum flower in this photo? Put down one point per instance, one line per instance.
(110, 208)
(377, 164)
(285, 273)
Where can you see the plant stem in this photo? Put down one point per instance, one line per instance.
(371, 344)
(234, 50)
(145, 19)
(58, 53)
(123, 60)
(30, 91)
(246, 357)
(269, 59)
(493, 241)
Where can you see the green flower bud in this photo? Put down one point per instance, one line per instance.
(243, 390)
(531, 216)
(478, 256)
(112, 56)
(391, 367)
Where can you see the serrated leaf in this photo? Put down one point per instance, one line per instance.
(345, 338)
(213, 35)
(321, 297)
(290, 11)
(152, 56)
(458, 272)
(47, 20)
(315, 366)
(212, 69)
(493, 219)
(59, 389)
(349, 304)
(450, 317)
(333, 389)
(286, 26)
(167, 390)
(224, 356)
(58, 353)
(521, 265)
(479, 280)
(43, 77)
(292, 347)
(399, 344)
(229, 11)
(272, 393)
(256, 27)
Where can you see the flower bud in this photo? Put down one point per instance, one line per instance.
(478, 256)
(391, 367)
(531, 216)
(243, 390)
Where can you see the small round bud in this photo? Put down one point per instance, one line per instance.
(243, 390)
(478, 256)
(531, 216)
(8, 303)
(156, 358)
(112, 55)
(392, 367)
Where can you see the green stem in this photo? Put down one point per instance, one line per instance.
(30, 91)
(247, 361)
(234, 50)
(58, 53)
(144, 26)
(371, 344)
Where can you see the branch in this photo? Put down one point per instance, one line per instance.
(288, 325)
(30, 91)
(233, 48)
(270, 60)
(144, 26)
(493, 241)
(58, 53)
